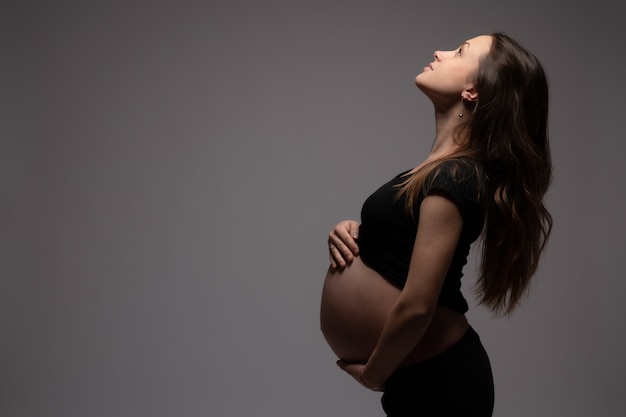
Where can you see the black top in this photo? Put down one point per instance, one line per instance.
(387, 232)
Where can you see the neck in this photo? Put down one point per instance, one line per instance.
(446, 125)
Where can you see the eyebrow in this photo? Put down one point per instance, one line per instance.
(465, 43)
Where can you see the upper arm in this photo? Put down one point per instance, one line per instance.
(438, 232)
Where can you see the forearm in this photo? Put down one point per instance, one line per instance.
(402, 331)
(438, 231)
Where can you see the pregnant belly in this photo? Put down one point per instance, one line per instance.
(355, 304)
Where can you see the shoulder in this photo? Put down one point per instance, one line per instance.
(460, 181)
(458, 172)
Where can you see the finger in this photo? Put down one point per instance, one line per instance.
(332, 256)
(347, 246)
(335, 260)
(352, 369)
(334, 245)
(341, 253)
(347, 252)
(354, 248)
(354, 230)
(338, 257)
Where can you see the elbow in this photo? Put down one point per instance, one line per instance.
(415, 313)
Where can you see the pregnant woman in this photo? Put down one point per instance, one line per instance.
(392, 308)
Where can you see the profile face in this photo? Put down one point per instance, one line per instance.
(452, 72)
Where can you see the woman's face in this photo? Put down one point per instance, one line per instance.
(452, 72)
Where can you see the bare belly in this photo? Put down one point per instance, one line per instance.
(355, 305)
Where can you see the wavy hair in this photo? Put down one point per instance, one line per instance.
(508, 135)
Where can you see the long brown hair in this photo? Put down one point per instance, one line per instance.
(508, 136)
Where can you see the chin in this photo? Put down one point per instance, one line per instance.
(419, 79)
(420, 85)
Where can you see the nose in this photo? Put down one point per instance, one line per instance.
(439, 55)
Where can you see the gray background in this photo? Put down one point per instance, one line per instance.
(169, 172)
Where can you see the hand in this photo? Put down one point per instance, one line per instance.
(342, 243)
(356, 371)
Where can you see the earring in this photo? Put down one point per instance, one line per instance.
(461, 114)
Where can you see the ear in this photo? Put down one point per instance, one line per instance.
(470, 93)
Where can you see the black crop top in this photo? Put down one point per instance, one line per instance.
(387, 232)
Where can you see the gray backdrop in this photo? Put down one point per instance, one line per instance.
(169, 172)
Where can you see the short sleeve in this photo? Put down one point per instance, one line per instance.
(457, 181)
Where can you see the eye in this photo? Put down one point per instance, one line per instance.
(459, 50)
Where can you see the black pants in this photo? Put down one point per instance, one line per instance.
(456, 383)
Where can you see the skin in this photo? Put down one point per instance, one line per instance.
(414, 315)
